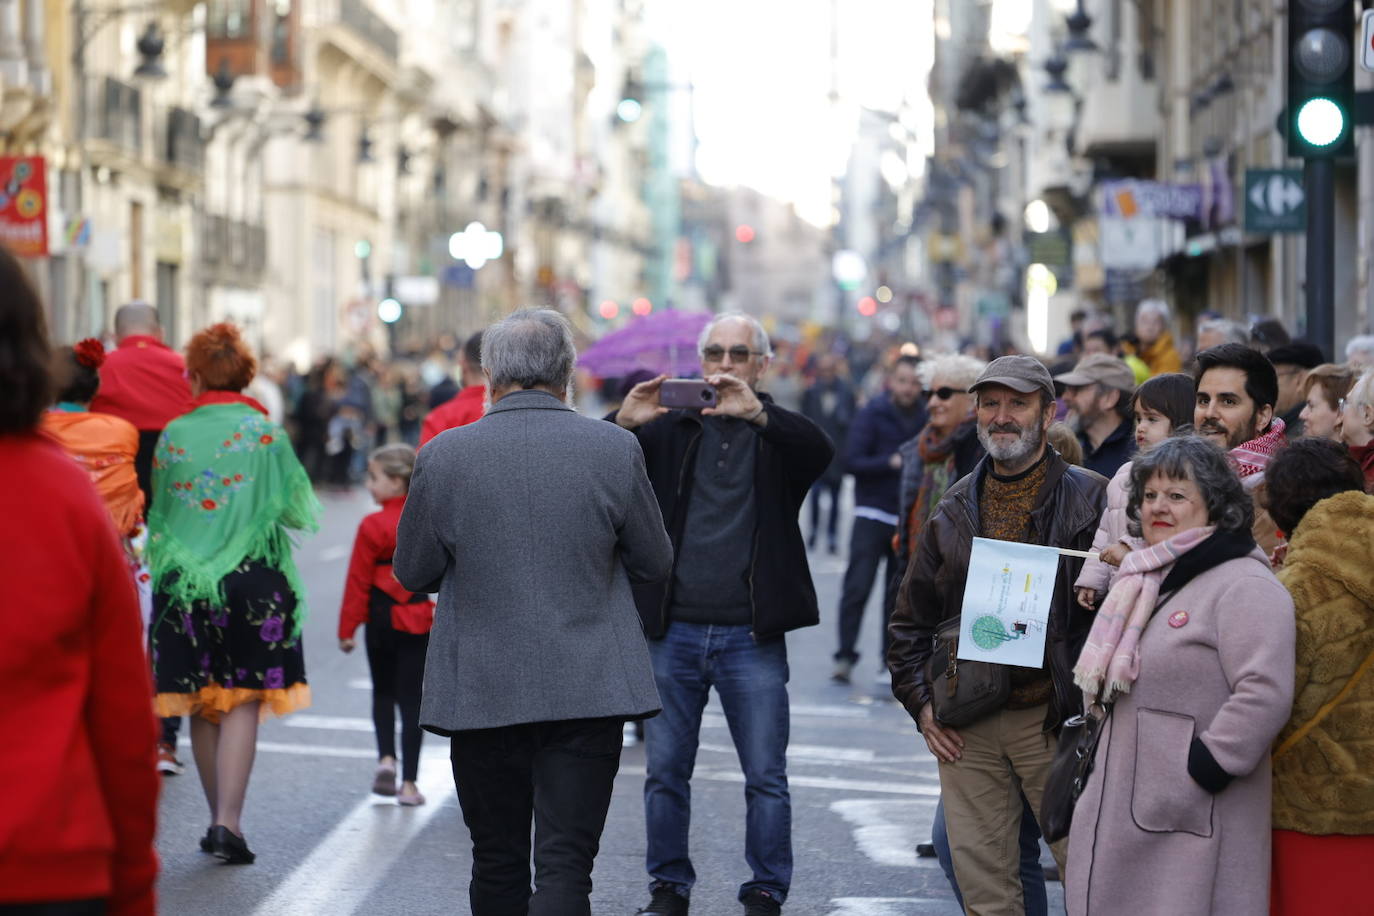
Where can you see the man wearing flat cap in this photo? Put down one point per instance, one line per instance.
(1024, 492)
(1099, 390)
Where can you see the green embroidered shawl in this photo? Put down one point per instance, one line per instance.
(226, 486)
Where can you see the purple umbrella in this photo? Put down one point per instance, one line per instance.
(664, 342)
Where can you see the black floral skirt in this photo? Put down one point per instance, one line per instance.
(207, 660)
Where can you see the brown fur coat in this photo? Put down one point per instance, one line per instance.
(1324, 783)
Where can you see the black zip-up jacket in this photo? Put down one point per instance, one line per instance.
(1066, 514)
(790, 454)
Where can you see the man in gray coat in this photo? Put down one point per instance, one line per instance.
(531, 524)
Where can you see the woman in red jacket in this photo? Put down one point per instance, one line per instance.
(78, 789)
(397, 621)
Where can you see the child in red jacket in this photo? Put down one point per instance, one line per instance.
(398, 623)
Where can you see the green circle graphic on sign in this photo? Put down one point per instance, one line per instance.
(988, 632)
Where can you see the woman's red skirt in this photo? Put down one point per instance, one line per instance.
(1321, 875)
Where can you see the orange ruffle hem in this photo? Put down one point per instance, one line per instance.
(212, 701)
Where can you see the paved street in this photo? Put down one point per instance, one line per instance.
(863, 790)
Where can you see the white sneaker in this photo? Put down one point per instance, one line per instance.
(628, 738)
(167, 761)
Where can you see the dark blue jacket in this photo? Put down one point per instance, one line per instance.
(1115, 450)
(879, 429)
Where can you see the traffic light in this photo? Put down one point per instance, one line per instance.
(1321, 78)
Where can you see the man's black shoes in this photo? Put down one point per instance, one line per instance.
(664, 901)
(761, 903)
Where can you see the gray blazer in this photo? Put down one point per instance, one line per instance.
(531, 524)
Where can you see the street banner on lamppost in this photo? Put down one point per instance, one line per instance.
(24, 205)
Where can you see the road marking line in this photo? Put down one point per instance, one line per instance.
(886, 906)
(810, 752)
(828, 783)
(360, 683)
(344, 868)
(337, 552)
(885, 831)
(336, 723)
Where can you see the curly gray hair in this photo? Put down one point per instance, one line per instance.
(1191, 457)
(956, 368)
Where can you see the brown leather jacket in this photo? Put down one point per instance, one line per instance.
(1066, 514)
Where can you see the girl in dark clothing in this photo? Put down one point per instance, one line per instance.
(398, 624)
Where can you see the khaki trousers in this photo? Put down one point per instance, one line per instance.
(1004, 755)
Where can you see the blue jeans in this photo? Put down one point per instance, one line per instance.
(751, 679)
(1032, 875)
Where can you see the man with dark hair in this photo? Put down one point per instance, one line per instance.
(1101, 340)
(1098, 391)
(1291, 362)
(1022, 492)
(871, 455)
(144, 381)
(829, 403)
(469, 403)
(1237, 388)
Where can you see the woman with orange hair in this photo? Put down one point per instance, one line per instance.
(228, 601)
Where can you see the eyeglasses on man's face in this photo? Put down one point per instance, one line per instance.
(716, 353)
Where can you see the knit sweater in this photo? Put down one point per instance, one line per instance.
(1323, 783)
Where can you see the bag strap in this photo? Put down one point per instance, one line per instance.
(1326, 709)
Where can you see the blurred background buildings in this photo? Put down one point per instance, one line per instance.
(312, 168)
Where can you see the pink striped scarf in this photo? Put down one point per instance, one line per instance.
(1112, 652)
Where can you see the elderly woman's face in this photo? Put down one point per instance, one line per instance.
(1318, 416)
(1169, 507)
(1356, 426)
(949, 405)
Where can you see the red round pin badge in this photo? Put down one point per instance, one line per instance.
(1178, 619)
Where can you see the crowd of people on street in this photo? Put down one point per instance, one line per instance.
(1194, 738)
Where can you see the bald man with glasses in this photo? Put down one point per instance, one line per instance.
(730, 481)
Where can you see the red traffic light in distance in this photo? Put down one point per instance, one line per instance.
(868, 306)
(744, 233)
(642, 306)
(609, 309)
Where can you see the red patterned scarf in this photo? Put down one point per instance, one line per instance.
(1251, 457)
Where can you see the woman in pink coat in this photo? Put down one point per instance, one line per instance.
(1194, 648)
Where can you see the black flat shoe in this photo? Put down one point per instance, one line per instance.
(229, 846)
(207, 843)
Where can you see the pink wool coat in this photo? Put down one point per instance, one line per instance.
(1146, 838)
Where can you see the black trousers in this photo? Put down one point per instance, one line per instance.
(94, 907)
(397, 663)
(560, 775)
(870, 544)
(833, 488)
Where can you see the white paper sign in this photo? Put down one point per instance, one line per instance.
(1007, 600)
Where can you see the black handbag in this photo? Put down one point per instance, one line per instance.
(962, 691)
(1069, 772)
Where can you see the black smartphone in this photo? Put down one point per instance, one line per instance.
(691, 393)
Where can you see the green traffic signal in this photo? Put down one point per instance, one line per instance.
(1320, 68)
(1321, 122)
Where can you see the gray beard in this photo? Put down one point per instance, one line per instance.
(1016, 452)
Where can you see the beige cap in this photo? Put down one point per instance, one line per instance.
(1100, 369)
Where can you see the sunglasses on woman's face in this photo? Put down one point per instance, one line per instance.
(944, 394)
